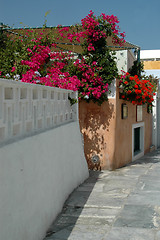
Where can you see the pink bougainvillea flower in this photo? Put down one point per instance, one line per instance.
(13, 69)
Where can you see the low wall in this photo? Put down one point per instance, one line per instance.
(26, 109)
(38, 172)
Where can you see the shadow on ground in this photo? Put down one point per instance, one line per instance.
(152, 157)
(67, 219)
(111, 204)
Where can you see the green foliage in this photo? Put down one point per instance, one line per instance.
(106, 61)
(136, 69)
(72, 100)
(94, 72)
(13, 49)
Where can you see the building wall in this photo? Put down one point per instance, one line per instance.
(125, 59)
(98, 124)
(130, 59)
(151, 61)
(150, 55)
(124, 138)
(109, 136)
(121, 60)
(148, 65)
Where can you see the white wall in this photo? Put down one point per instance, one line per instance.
(37, 174)
(121, 60)
(125, 59)
(28, 108)
(150, 54)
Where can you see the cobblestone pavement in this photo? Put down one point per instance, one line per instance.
(114, 205)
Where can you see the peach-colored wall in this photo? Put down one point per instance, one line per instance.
(123, 138)
(148, 130)
(123, 151)
(98, 124)
(108, 135)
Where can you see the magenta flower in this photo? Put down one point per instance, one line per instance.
(13, 69)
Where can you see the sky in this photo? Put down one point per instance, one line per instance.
(139, 19)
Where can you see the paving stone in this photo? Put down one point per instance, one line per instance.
(61, 235)
(68, 221)
(114, 205)
(137, 217)
(120, 186)
(95, 221)
(157, 235)
(148, 185)
(90, 232)
(106, 213)
(144, 198)
(82, 199)
(90, 187)
(62, 222)
(129, 234)
(105, 200)
(78, 198)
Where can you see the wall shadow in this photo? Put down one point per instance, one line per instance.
(63, 225)
(95, 123)
(151, 157)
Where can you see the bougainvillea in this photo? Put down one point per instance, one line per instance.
(94, 31)
(20, 46)
(37, 59)
(92, 86)
(136, 90)
(49, 69)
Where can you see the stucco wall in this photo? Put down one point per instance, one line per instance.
(125, 59)
(123, 151)
(37, 174)
(109, 136)
(122, 60)
(98, 123)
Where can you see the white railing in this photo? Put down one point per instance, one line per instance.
(28, 108)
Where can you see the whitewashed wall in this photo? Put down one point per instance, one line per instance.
(37, 171)
(125, 59)
(28, 108)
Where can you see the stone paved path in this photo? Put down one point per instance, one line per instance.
(114, 205)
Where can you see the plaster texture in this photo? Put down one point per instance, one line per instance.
(114, 205)
(37, 174)
(109, 136)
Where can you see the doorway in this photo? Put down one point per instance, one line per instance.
(137, 140)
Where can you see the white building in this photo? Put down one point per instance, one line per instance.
(151, 60)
